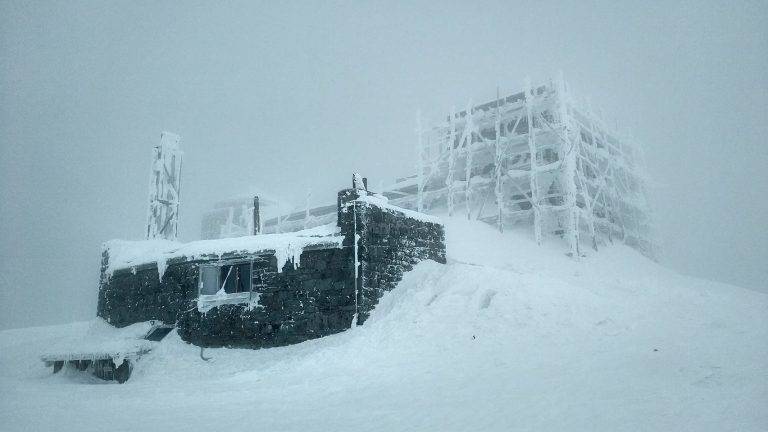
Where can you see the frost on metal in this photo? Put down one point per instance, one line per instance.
(164, 189)
(535, 158)
(239, 216)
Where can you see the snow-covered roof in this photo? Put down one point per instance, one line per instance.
(381, 201)
(126, 253)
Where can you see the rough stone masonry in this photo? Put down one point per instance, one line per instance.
(332, 289)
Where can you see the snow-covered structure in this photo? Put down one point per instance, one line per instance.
(537, 158)
(238, 216)
(259, 213)
(108, 352)
(253, 291)
(164, 189)
(270, 289)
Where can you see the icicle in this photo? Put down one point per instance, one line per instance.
(288, 252)
(162, 264)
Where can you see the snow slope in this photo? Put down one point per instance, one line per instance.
(506, 336)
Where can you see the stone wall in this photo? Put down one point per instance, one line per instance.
(296, 304)
(390, 242)
(137, 294)
(310, 301)
(319, 297)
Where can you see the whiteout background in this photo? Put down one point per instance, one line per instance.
(506, 336)
(281, 98)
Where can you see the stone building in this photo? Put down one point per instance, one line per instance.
(270, 289)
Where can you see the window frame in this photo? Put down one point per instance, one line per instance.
(207, 301)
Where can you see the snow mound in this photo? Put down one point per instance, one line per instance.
(506, 336)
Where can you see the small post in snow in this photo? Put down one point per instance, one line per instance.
(256, 216)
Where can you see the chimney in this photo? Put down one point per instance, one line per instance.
(358, 182)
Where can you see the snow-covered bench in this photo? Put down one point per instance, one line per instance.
(108, 352)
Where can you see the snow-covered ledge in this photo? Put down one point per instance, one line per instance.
(286, 247)
(206, 302)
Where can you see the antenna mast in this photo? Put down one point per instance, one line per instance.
(164, 189)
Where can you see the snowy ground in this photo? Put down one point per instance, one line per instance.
(507, 336)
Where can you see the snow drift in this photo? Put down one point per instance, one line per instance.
(506, 336)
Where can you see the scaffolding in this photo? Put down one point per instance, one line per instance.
(543, 161)
(536, 159)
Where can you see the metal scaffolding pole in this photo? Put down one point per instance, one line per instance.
(497, 167)
(568, 172)
(449, 183)
(419, 164)
(544, 159)
(469, 131)
(534, 184)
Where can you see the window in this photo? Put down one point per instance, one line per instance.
(225, 283)
(233, 278)
(236, 278)
(209, 279)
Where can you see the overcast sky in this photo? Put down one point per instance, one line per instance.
(283, 98)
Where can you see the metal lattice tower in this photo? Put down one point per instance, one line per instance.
(164, 189)
(544, 160)
(534, 158)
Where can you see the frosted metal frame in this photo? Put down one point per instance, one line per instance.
(545, 161)
(165, 189)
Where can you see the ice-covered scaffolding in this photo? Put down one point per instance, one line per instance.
(535, 158)
(585, 182)
(164, 189)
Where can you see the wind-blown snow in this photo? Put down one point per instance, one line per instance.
(382, 201)
(287, 246)
(506, 336)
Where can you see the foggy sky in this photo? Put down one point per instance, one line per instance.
(285, 98)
